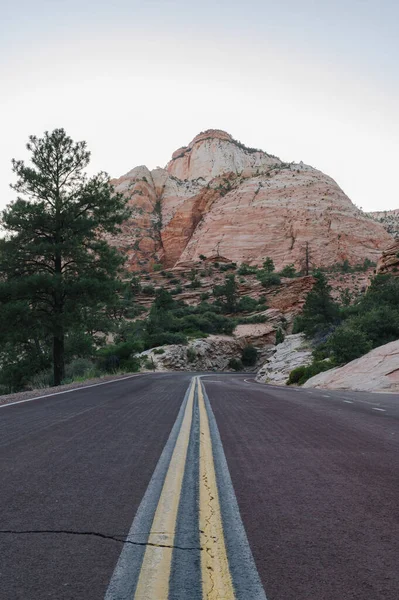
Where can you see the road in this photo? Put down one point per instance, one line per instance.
(178, 486)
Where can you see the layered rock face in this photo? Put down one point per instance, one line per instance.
(389, 261)
(293, 352)
(389, 219)
(218, 198)
(376, 371)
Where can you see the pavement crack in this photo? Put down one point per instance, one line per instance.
(116, 538)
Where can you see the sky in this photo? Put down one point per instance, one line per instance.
(310, 80)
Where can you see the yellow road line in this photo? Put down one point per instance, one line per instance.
(216, 578)
(153, 583)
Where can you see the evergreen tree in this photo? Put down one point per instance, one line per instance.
(227, 294)
(319, 311)
(58, 274)
(268, 265)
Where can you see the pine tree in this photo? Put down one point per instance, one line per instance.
(58, 273)
(319, 311)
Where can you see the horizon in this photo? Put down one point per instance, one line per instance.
(317, 84)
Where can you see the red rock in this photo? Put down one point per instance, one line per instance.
(218, 198)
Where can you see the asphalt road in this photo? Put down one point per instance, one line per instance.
(314, 475)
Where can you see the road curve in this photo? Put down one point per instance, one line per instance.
(174, 486)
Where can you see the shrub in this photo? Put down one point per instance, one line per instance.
(43, 379)
(157, 267)
(148, 290)
(191, 355)
(149, 364)
(177, 290)
(347, 343)
(296, 375)
(228, 267)
(268, 265)
(205, 296)
(235, 364)
(164, 338)
(279, 336)
(288, 271)
(78, 367)
(302, 374)
(202, 257)
(159, 351)
(249, 355)
(269, 279)
(245, 269)
(247, 304)
(251, 320)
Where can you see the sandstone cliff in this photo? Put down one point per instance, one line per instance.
(389, 219)
(389, 260)
(218, 198)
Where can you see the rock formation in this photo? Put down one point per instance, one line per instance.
(389, 261)
(218, 198)
(293, 352)
(376, 371)
(389, 219)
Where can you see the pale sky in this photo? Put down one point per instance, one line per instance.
(311, 80)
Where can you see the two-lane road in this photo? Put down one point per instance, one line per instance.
(160, 486)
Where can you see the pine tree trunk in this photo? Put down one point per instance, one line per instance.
(58, 359)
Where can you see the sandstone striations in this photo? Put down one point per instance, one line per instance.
(389, 261)
(218, 198)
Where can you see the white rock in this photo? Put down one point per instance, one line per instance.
(376, 371)
(288, 355)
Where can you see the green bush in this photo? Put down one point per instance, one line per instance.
(245, 269)
(191, 355)
(148, 290)
(157, 267)
(249, 355)
(268, 265)
(43, 379)
(235, 364)
(247, 304)
(279, 336)
(159, 351)
(288, 271)
(269, 279)
(177, 290)
(347, 343)
(302, 374)
(78, 368)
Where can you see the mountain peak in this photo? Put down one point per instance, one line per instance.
(215, 152)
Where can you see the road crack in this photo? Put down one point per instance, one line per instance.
(115, 538)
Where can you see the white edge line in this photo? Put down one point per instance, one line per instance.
(83, 387)
(380, 409)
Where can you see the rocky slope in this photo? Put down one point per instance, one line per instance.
(389, 261)
(218, 198)
(389, 219)
(293, 352)
(376, 371)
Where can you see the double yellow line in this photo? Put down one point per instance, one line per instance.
(153, 582)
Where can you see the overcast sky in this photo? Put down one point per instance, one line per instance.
(311, 80)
